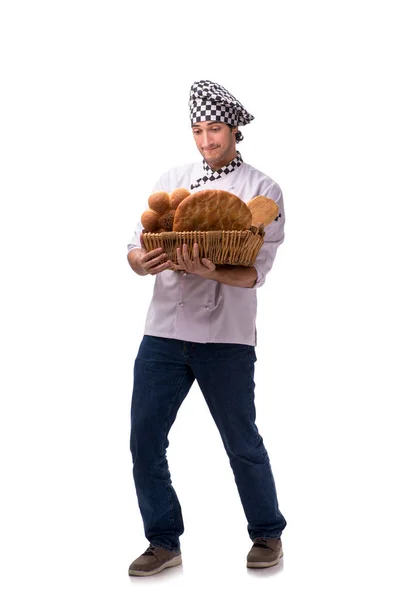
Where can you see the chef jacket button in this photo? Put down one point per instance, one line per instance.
(207, 308)
(184, 273)
(180, 303)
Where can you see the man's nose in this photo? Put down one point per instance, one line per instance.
(206, 139)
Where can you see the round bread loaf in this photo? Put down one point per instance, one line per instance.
(212, 210)
(263, 210)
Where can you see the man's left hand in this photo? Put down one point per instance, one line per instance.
(202, 267)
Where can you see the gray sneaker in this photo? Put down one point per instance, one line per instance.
(154, 560)
(266, 552)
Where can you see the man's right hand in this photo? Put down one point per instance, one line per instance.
(148, 263)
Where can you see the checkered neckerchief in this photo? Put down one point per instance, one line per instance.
(210, 175)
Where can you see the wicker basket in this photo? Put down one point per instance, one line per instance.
(221, 247)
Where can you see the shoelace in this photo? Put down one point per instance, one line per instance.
(261, 543)
(149, 550)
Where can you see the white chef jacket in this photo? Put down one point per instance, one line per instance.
(188, 307)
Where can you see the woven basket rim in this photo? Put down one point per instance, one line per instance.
(234, 231)
(222, 247)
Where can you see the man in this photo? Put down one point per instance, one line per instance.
(201, 326)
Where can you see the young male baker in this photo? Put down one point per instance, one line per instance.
(201, 326)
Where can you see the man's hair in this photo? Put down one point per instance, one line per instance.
(238, 135)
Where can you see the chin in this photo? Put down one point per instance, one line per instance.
(212, 160)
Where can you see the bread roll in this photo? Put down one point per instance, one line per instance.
(176, 197)
(159, 202)
(212, 210)
(263, 210)
(160, 215)
(150, 220)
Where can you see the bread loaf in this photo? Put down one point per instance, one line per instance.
(166, 220)
(212, 210)
(263, 210)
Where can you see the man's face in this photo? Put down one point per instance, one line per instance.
(216, 142)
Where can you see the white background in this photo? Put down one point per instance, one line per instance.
(93, 109)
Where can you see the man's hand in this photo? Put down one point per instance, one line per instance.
(236, 276)
(202, 268)
(148, 263)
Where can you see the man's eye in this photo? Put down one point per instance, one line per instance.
(215, 129)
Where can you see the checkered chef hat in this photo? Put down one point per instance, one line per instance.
(211, 102)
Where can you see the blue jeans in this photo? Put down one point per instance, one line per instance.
(164, 372)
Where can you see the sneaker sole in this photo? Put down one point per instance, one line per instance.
(263, 565)
(174, 562)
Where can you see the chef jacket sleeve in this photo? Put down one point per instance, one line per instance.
(274, 236)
